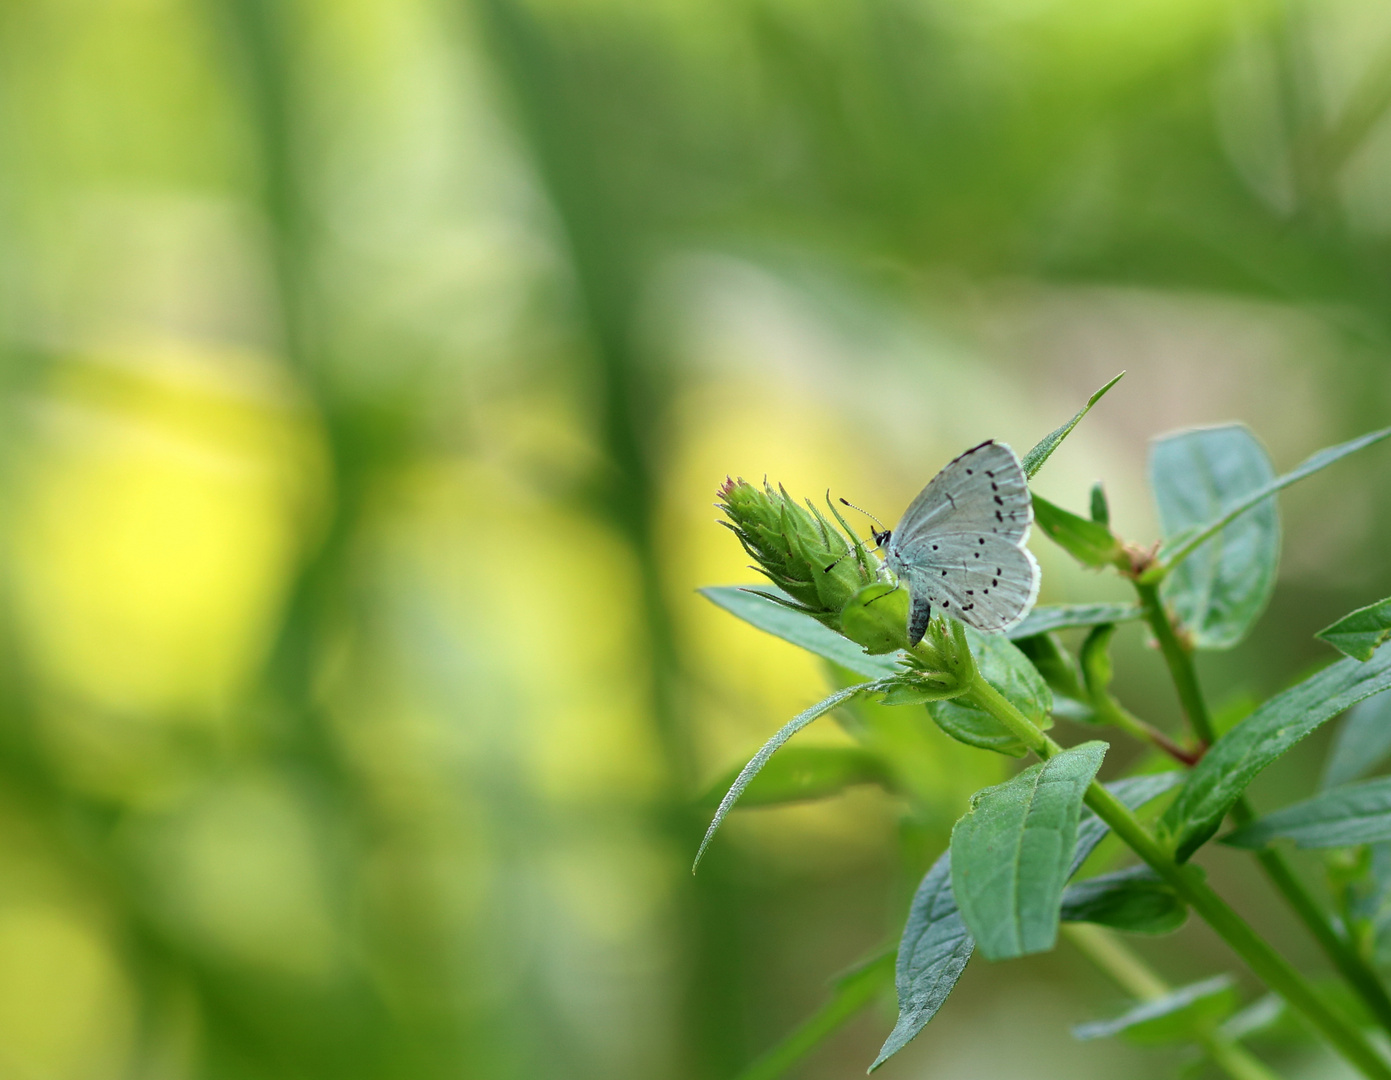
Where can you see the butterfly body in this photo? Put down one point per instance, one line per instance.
(960, 544)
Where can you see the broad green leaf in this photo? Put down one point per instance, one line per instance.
(1012, 851)
(1362, 743)
(1358, 635)
(757, 609)
(801, 773)
(1178, 547)
(1197, 476)
(1008, 670)
(936, 943)
(1089, 542)
(1355, 814)
(1050, 617)
(850, 993)
(1135, 792)
(1238, 756)
(931, 956)
(1182, 1016)
(1034, 459)
(749, 771)
(1135, 899)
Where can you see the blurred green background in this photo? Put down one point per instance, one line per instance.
(369, 369)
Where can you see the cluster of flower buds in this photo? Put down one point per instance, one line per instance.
(824, 575)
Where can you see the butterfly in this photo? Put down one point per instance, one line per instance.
(960, 544)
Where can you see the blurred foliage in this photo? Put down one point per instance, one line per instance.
(368, 371)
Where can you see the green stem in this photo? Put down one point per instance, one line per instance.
(1180, 664)
(1138, 979)
(1341, 952)
(1187, 880)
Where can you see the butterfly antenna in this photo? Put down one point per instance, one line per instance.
(866, 513)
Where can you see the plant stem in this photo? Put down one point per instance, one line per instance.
(1187, 880)
(1138, 979)
(1339, 950)
(1180, 664)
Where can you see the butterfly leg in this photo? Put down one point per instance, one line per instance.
(919, 615)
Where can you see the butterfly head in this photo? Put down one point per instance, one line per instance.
(881, 536)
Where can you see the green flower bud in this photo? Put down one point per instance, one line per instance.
(877, 618)
(797, 548)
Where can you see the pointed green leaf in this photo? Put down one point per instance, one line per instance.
(936, 943)
(1362, 744)
(802, 630)
(1034, 459)
(1182, 1016)
(1050, 617)
(1355, 814)
(850, 993)
(931, 956)
(1237, 757)
(749, 771)
(1179, 546)
(1012, 851)
(1089, 542)
(1197, 476)
(1135, 899)
(1358, 635)
(801, 773)
(1008, 670)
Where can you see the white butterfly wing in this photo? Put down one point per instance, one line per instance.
(960, 543)
(984, 490)
(984, 581)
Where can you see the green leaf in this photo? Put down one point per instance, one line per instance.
(1034, 459)
(1095, 657)
(936, 943)
(1059, 671)
(1182, 1016)
(1001, 664)
(1012, 850)
(1358, 635)
(1261, 1015)
(756, 608)
(1355, 814)
(1197, 476)
(1135, 792)
(801, 773)
(1050, 617)
(749, 771)
(1100, 508)
(1089, 542)
(850, 993)
(931, 956)
(1237, 757)
(1179, 547)
(1135, 899)
(1362, 743)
